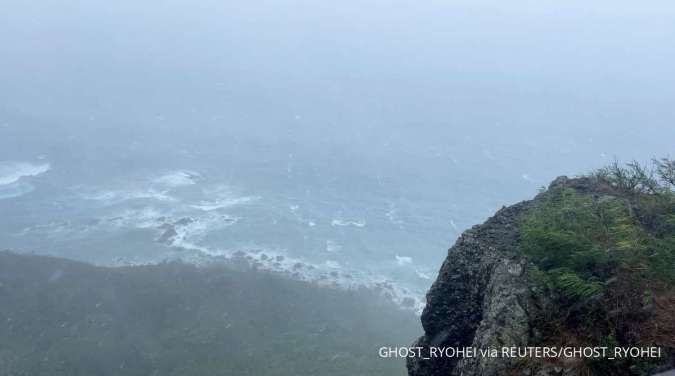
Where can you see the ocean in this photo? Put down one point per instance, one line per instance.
(337, 214)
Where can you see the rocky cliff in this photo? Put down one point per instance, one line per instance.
(481, 298)
(487, 295)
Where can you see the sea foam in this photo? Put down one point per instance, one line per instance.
(344, 223)
(11, 172)
(178, 178)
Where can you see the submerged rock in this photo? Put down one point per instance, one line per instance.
(168, 236)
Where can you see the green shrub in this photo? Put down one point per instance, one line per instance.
(603, 256)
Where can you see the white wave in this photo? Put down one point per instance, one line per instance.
(144, 218)
(328, 274)
(223, 203)
(50, 228)
(222, 197)
(186, 235)
(295, 210)
(116, 197)
(392, 215)
(197, 228)
(344, 223)
(332, 264)
(11, 172)
(187, 245)
(15, 190)
(184, 244)
(332, 246)
(454, 225)
(423, 275)
(403, 260)
(178, 178)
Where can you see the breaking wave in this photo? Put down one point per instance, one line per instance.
(222, 203)
(11, 178)
(11, 172)
(116, 197)
(178, 178)
(344, 223)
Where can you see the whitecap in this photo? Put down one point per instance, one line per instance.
(63, 228)
(178, 178)
(15, 190)
(329, 274)
(332, 246)
(344, 223)
(11, 172)
(403, 260)
(332, 264)
(295, 211)
(392, 215)
(222, 203)
(201, 226)
(144, 218)
(454, 226)
(50, 228)
(423, 275)
(184, 244)
(116, 197)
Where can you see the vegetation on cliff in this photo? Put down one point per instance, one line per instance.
(603, 256)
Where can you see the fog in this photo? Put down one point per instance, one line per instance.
(281, 145)
(356, 137)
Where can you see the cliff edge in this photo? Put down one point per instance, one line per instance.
(517, 281)
(480, 299)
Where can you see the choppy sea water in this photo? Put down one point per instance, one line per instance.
(147, 216)
(337, 220)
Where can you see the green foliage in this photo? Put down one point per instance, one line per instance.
(665, 169)
(603, 253)
(577, 240)
(575, 287)
(594, 236)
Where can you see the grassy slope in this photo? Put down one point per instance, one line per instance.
(59, 317)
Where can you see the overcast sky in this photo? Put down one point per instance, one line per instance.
(348, 71)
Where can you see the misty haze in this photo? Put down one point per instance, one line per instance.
(313, 160)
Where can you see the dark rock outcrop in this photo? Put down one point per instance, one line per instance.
(483, 297)
(480, 299)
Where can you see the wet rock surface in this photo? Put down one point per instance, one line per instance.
(480, 299)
